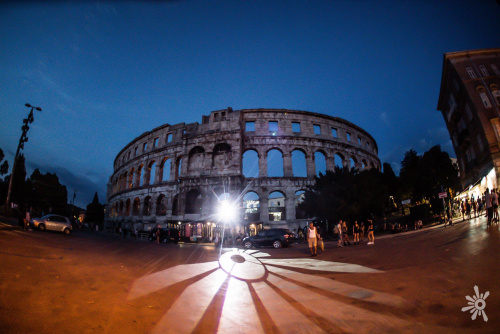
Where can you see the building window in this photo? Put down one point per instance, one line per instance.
(468, 112)
(368, 145)
(273, 127)
(295, 126)
(334, 132)
(470, 154)
(480, 143)
(317, 129)
(484, 97)
(129, 155)
(483, 70)
(359, 141)
(216, 117)
(496, 94)
(144, 147)
(169, 138)
(495, 69)
(452, 105)
(471, 72)
(135, 151)
(250, 126)
(223, 116)
(348, 136)
(155, 142)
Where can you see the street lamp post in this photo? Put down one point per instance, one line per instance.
(22, 140)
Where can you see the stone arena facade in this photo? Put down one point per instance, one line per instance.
(260, 160)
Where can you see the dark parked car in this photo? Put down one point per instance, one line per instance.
(276, 237)
(166, 235)
(52, 223)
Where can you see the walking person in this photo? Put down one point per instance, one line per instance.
(371, 237)
(344, 234)
(355, 231)
(312, 238)
(338, 228)
(467, 208)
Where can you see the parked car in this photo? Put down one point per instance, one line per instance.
(276, 237)
(166, 235)
(52, 223)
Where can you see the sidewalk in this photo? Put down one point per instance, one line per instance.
(9, 223)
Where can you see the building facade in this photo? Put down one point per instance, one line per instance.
(260, 160)
(470, 103)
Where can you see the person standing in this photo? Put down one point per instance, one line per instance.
(494, 204)
(371, 237)
(355, 231)
(489, 207)
(312, 238)
(158, 234)
(362, 231)
(339, 232)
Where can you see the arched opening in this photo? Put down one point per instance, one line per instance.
(165, 170)
(320, 162)
(196, 158)
(179, 168)
(277, 206)
(127, 207)
(130, 182)
(120, 212)
(299, 198)
(275, 163)
(135, 208)
(221, 156)
(152, 172)
(363, 164)
(339, 161)
(251, 206)
(352, 163)
(299, 165)
(140, 178)
(146, 211)
(251, 163)
(194, 201)
(161, 205)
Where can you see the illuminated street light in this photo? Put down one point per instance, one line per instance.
(227, 211)
(22, 140)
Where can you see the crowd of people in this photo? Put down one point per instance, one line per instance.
(474, 207)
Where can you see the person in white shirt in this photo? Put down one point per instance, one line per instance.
(312, 238)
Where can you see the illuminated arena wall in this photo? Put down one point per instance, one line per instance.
(261, 160)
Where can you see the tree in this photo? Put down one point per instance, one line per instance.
(346, 194)
(4, 167)
(95, 212)
(423, 177)
(18, 192)
(46, 193)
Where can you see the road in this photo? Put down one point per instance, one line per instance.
(102, 283)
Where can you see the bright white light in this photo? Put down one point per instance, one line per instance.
(227, 211)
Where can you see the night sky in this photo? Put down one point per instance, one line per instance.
(105, 72)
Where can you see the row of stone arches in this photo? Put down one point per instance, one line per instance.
(250, 206)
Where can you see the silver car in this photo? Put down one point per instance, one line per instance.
(52, 223)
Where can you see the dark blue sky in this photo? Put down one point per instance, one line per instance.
(105, 72)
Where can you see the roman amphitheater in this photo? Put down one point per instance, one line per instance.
(259, 161)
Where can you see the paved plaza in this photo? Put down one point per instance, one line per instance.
(414, 282)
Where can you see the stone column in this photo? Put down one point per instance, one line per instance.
(330, 163)
(311, 166)
(287, 165)
(262, 164)
(264, 208)
(290, 208)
